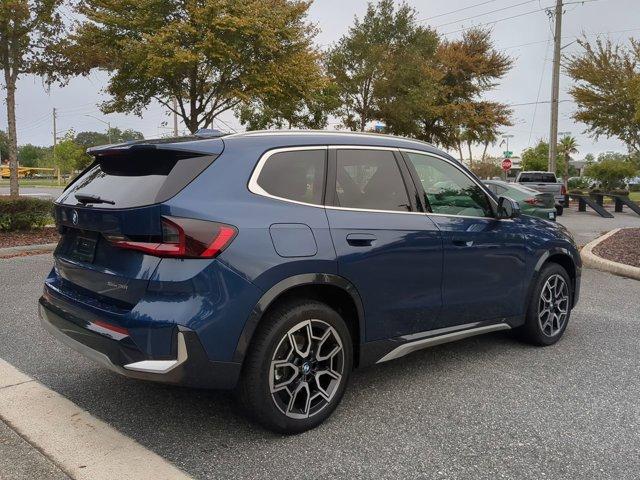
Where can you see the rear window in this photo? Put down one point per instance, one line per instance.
(297, 175)
(537, 178)
(135, 180)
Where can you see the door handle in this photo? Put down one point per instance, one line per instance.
(361, 239)
(460, 242)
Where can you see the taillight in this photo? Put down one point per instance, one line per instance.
(563, 190)
(533, 201)
(183, 238)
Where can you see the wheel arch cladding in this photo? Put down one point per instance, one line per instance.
(335, 291)
(560, 257)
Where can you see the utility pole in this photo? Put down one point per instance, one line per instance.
(55, 142)
(175, 117)
(555, 88)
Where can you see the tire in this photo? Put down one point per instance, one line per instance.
(553, 294)
(278, 380)
(559, 210)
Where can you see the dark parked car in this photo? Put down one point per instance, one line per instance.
(531, 201)
(274, 263)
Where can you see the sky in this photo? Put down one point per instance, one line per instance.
(520, 28)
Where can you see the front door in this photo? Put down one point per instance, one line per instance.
(484, 263)
(391, 252)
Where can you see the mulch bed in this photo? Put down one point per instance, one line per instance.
(29, 237)
(622, 247)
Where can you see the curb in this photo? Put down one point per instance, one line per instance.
(40, 248)
(590, 259)
(79, 444)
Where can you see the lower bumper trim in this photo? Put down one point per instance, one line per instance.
(162, 366)
(191, 367)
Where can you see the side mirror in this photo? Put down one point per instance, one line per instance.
(508, 208)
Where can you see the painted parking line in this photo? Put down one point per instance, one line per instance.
(77, 442)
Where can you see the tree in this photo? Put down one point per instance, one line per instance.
(611, 172)
(114, 135)
(68, 155)
(32, 155)
(436, 95)
(298, 109)
(537, 158)
(30, 31)
(607, 89)
(359, 59)
(567, 147)
(210, 55)
(486, 168)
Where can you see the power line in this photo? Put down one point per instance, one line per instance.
(494, 21)
(456, 11)
(535, 110)
(573, 37)
(487, 13)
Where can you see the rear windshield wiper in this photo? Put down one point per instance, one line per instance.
(88, 198)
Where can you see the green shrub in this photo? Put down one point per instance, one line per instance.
(611, 173)
(578, 182)
(24, 213)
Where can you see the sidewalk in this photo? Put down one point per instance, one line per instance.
(21, 461)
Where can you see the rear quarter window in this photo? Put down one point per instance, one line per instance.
(296, 175)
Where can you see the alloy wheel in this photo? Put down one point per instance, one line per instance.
(306, 369)
(553, 306)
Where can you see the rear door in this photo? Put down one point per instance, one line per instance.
(484, 261)
(118, 197)
(385, 245)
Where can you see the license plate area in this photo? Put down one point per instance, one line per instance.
(83, 247)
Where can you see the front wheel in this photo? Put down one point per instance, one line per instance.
(549, 308)
(296, 371)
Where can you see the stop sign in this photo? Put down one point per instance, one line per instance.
(506, 164)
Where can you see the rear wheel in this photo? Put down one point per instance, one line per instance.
(297, 369)
(549, 308)
(559, 210)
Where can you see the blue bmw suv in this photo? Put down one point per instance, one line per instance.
(274, 263)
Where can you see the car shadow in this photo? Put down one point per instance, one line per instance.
(158, 415)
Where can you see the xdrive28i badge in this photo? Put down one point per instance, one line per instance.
(74, 217)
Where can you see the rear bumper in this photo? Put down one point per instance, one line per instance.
(188, 364)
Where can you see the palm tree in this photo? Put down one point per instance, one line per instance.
(566, 147)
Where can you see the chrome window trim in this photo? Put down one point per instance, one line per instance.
(258, 190)
(254, 187)
(456, 165)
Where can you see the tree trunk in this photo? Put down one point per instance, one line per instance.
(460, 151)
(470, 154)
(13, 140)
(565, 179)
(484, 152)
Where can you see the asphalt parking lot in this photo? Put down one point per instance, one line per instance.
(488, 407)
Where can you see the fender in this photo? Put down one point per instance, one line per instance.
(288, 283)
(541, 261)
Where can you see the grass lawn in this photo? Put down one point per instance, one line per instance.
(635, 196)
(33, 182)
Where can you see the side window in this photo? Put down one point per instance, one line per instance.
(297, 175)
(370, 179)
(500, 190)
(448, 190)
(492, 187)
